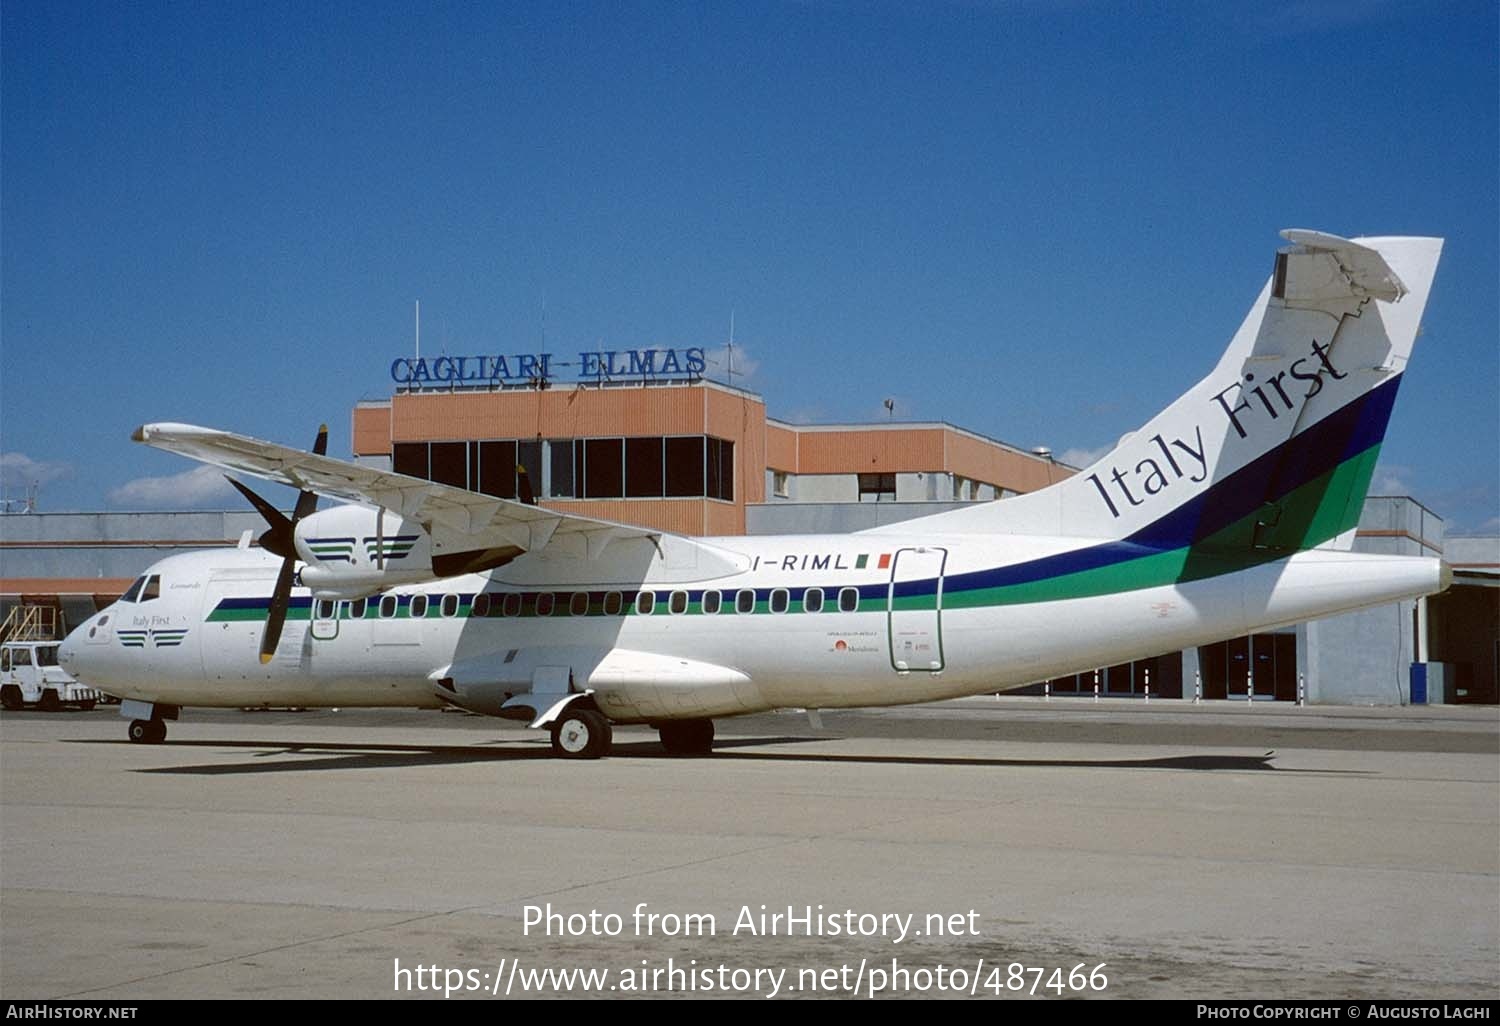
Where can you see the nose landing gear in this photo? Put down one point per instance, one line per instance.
(148, 732)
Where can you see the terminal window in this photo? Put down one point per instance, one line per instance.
(877, 487)
(650, 467)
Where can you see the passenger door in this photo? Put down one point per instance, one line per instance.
(915, 609)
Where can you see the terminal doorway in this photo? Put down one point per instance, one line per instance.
(1265, 662)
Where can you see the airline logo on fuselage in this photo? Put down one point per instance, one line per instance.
(1173, 459)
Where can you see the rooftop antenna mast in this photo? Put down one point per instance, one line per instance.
(419, 328)
(729, 346)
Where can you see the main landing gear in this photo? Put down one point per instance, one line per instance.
(687, 737)
(581, 734)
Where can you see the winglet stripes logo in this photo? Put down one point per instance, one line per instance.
(169, 638)
(390, 548)
(332, 550)
(165, 638)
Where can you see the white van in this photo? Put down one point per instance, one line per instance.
(29, 675)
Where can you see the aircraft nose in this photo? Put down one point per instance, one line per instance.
(71, 654)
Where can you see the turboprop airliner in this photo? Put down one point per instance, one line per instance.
(1230, 512)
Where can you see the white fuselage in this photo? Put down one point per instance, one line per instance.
(933, 617)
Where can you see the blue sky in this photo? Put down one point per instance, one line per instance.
(1039, 221)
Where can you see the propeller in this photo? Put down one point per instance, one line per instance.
(524, 491)
(280, 540)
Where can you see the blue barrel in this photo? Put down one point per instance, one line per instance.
(1418, 683)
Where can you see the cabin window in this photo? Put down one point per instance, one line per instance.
(780, 599)
(544, 603)
(848, 600)
(712, 602)
(326, 609)
(645, 602)
(481, 605)
(418, 607)
(357, 609)
(744, 601)
(21, 657)
(679, 602)
(512, 604)
(812, 600)
(450, 605)
(4, 659)
(387, 606)
(614, 603)
(46, 655)
(579, 606)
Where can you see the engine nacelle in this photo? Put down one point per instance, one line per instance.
(355, 551)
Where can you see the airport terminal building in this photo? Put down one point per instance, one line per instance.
(644, 437)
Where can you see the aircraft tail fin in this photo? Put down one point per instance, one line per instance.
(1273, 451)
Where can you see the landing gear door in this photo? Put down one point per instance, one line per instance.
(915, 605)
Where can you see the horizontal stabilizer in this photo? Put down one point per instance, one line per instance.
(1327, 270)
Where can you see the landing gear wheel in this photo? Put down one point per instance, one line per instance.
(581, 734)
(148, 732)
(687, 737)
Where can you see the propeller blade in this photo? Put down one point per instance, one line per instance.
(278, 540)
(307, 501)
(276, 614)
(523, 486)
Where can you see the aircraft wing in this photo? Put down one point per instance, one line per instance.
(457, 519)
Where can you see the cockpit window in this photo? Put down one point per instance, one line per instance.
(143, 589)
